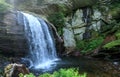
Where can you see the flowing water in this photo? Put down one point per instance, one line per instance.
(42, 52)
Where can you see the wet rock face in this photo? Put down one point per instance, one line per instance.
(12, 38)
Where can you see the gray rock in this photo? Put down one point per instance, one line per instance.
(12, 38)
(79, 33)
(68, 37)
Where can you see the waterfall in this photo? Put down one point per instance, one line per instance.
(41, 45)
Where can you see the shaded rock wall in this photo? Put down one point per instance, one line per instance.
(12, 38)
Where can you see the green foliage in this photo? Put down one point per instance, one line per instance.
(27, 75)
(62, 8)
(112, 44)
(94, 43)
(46, 75)
(113, 28)
(4, 6)
(80, 44)
(58, 20)
(117, 34)
(88, 45)
(72, 72)
(115, 9)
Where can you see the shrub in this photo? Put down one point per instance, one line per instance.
(72, 72)
(68, 73)
(46, 75)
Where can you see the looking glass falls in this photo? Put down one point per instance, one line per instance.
(41, 45)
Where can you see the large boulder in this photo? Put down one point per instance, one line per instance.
(13, 70)
(12, 38)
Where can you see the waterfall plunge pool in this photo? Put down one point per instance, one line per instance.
(93, 67)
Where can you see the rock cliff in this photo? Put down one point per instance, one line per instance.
(80, 18)
(12, 38)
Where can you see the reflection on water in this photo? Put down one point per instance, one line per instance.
(93, 68)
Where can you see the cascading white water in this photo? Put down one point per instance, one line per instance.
(41, 45)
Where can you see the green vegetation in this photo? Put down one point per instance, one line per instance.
(113, 28)
(4, 6)
(117, 34)
(115, 9)
(87, 46)
(72, 72)
(112, 44)
(63, 8)
(57, 19)
(27, 75)
(93, 44)
(80, 44)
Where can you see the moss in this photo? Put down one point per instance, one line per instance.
(112, 44)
